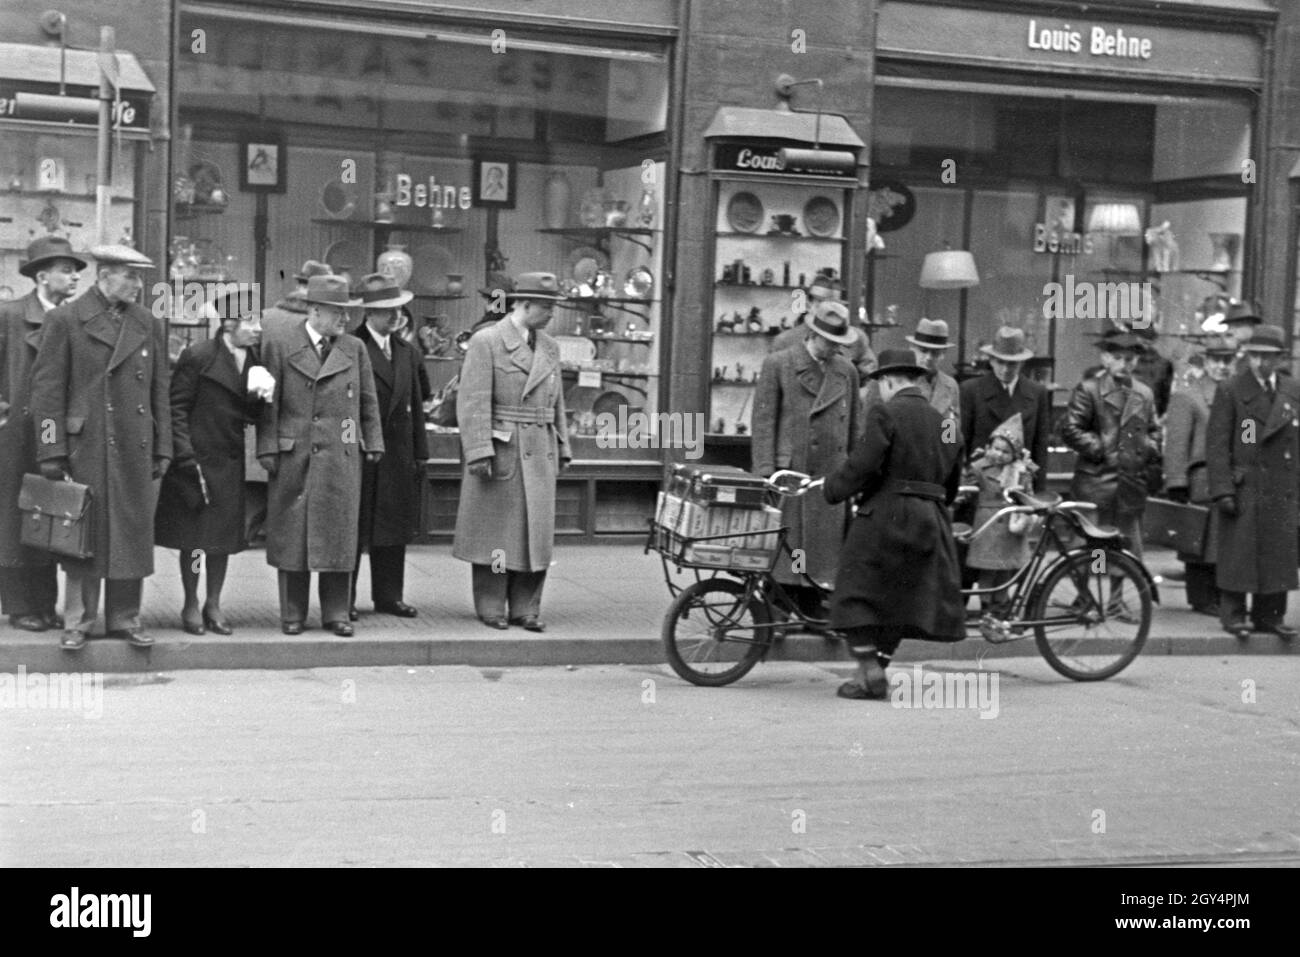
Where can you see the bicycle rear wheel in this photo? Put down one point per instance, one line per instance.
(1104, 605)
(701, 628)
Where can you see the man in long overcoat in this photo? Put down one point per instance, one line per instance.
(101, 416)
(899, 575)
(323, 419)
(805, 416)
(513, 436)
(1186, 475)
(391, 487)
(1252, 450)
(990, 399)
(929, 344)
(29, 585)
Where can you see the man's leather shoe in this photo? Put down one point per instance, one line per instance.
(353, 614)
(1238, 629)
(498, 623)
(399, 608)
(528, 623)
(291, 627)
(134, 636)
(72, 640)
(341, 629)
(29, 622)
(53, 619)
(1279, 629)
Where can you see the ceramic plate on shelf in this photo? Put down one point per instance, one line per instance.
(610, 402)
(430, 264)
(821, 216)
(346, 254)
(639, 284)
(575, 350)
(745, 212)
(585, 262)
(338, 200)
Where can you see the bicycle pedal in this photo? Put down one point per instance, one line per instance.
(996, 631)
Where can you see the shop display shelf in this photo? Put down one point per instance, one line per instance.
(775, 287)
(600, 236)
(391, 227)
(790, 236)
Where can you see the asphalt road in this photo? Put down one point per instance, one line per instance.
(1176, 760)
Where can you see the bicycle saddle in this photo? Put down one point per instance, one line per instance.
(1021, 497)
(1091, 529)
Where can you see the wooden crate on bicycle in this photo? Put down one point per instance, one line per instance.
(717, 517)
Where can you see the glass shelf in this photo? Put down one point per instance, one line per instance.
(798, 236)
(392, 227)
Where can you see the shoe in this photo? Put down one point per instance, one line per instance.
(53, 619)
(133, 636)
(498, 623)
(341, 629)
(353, 614)
(528, 623)
(29, 622)
(291, 627)
(1238, 629)
(192, 629)
(399, 608)
(876, 687)
(218, 626)
(72, 640)
(1279, 629)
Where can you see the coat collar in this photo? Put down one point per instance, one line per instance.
(382, 367)
(1126, 403)
(827, 382)
(100, 325)
(307, 361)
(34, 316)
(222, 370)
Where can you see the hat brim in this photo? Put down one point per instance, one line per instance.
(536, 296)
(841, 339)
(1021, 356)
(30, 269)
(1243, 320)
(930, 345)
(345, 304)
(885, 370)
(402, 299)
(1260, 349)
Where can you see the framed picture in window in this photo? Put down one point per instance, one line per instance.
(494, 182)
(262, 165)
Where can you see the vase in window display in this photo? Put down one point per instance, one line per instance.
(558, 196)
(395, 263)
(647, 209)
(1225, 250)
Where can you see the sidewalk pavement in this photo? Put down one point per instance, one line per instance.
(604, 604)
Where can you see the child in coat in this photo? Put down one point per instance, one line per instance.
(1003, 547)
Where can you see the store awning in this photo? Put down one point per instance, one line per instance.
(750, 123)
(30, 63)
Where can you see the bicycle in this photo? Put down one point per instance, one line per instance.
(718, 628)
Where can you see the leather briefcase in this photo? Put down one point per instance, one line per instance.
(56, 516)
(1184, 528)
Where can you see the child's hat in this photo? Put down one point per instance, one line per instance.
(1013, 429)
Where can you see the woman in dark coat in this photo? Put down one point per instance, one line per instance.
(211, 406)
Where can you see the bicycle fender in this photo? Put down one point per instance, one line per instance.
(1087, 553)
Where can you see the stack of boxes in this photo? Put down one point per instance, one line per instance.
(724, 505)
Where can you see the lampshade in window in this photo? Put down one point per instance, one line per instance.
(949, 269)
(1120, 218)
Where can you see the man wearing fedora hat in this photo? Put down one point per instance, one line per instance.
(1253, 458)
(291, 310)
(805, 416)
(1110, 423)
(990, 399)
(102, 417)
(322, 421)
(827, 288)
(28, 577)
(898, 574)
(1186, 473)
(929, 343)
(390, 488)
(513, 435)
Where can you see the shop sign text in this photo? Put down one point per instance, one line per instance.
(430, 194)
(1101, 42)
(1059, 241)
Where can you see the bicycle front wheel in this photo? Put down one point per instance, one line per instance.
(1094, 614)
(715, 631)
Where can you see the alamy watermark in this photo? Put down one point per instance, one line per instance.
(976, 690)
(65, 691)
(1132, 302)
(181, 297)
(657, 430)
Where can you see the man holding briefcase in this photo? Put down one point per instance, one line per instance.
(102, 418)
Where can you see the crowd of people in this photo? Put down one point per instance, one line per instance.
(331, 384)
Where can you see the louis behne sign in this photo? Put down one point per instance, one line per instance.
(1101, 41)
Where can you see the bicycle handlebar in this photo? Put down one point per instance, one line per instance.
(776, 482)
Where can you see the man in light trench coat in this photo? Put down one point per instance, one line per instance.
(102, 415)
(510, 408)
(321, 422)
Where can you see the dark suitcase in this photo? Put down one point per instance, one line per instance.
(717, 485)
(1184, 528)
(56, 516)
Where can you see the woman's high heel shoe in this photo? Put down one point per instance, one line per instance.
(218, 626)
(193, 628)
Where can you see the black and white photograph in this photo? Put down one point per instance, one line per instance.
(654, 433)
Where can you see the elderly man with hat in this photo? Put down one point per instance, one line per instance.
(1239, 324)
(323, 420)
(390, 488)
(805, 417)
(218, 388)
(101, 416)
(513, 436)
(1186, 473)
(994, 397)
(29, 589)
(898, 574)
(1111, 425)
(291, 310)
(1253, 459)
(929, 344)
(826, 288)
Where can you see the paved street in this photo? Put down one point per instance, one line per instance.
(630, 766)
